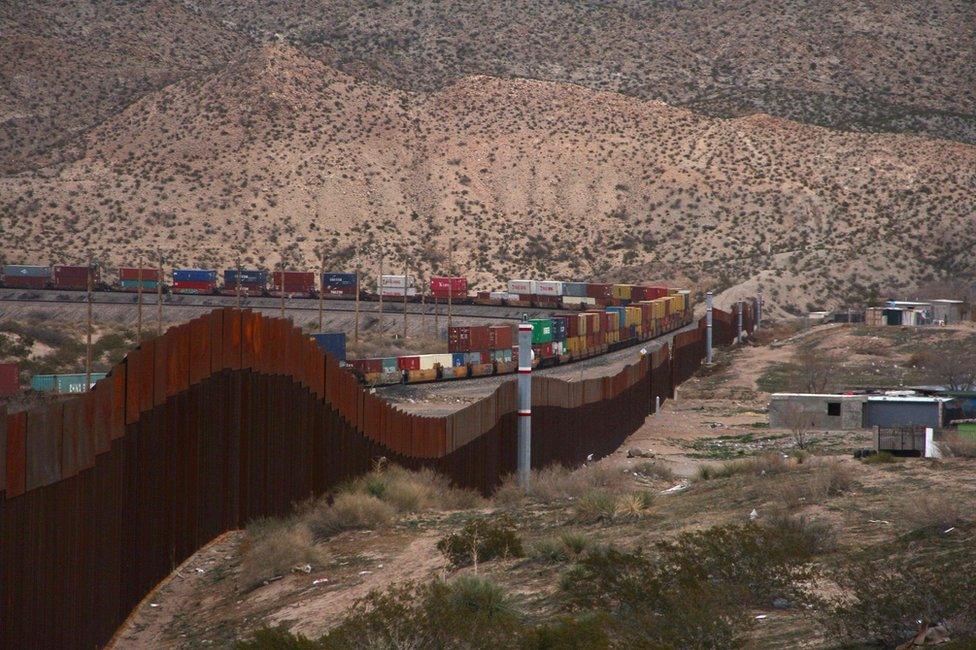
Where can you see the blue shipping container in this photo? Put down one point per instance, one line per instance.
(558, 328)
(74, 383)
(194, 275)
(247, 277)
(457, 359)
(22, 271)
(338, 279)
(389, 364)
(574, 289)
(333, 343)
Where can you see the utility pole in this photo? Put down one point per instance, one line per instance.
(321, 284)
(759, 306)
(423, 303)
(379, 288)
(524, 403)
(159, 294)
(708, 328)
(237, 283)
(139, 301)
(437, 318)
(739, 337)
(355, 336)
(406, 284)
(88, 329)
(450, 292)
(281, 284)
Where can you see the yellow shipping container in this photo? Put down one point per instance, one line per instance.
(657, 307)
(633, 315)
(582, 324)
(673, 292)
(686, 295)
(623, 291)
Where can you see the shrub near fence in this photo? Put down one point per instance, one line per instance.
(234, 416)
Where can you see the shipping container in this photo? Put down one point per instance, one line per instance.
(389, 364)
(411, 362)
(293, 282)
(133, 285)
(574, 289)
(195, 275)
(475, 357)
(432, 360)
(333, 280)
(550, 288)
(559, 328)
(400, 281)
(368, 365)
(333, 343)
(70, 383)
(448, 287)
(457, 359)
(541, 331)
(622, 291)
(480, 337)
(599, 291)
(75, 277)
(396, 292)
(500, 337)
(523, 287)
(459, 339)
(247, 277)
(135, 274)
(26, 277)
(9, 379)
(193, 287)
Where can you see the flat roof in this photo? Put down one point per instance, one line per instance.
(838, 396)
(946, 300)
(869, 398)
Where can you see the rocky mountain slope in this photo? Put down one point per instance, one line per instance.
(279, 155)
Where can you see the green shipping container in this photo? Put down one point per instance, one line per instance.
(74, 383)
(541, 331)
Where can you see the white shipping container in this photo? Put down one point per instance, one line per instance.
(398, 281)
(498, 295)
(578, 300)
(550, 288)
(396, 291)
(512, 296)
(523, 286)
(427, 361)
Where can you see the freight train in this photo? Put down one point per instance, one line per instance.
(541, 294)
(476, 351)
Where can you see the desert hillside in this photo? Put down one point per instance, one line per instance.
(279, 154)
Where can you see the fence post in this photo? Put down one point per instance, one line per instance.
(708, 328)
(524, 403)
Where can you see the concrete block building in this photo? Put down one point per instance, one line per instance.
(833, 412)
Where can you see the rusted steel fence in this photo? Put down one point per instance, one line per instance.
(234, 416)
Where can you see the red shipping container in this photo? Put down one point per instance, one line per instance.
(572, 327)
(459, 339)
(192, 286)
(74, 277)
(132, 273)
(9, 379)
(479, 337)
(598, 291)
(295, 281)
(448, 286)
(500, 337)
(367, 365)
(22, 282)
(408, 363)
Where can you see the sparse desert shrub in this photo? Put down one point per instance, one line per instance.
(880, 458)
(566, 547)
(481, 540)
(814, 537)
(277, 638)
(413, 491)
(467, 612)
(633, 506)
(885, 599)
(349, 511)
(595, 505)
(767, 464)
(931, 511)
(656, 470)
(559, 483)
(588, 632)
(274, 547)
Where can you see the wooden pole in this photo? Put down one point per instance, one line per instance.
(321, 284)
(450, 295)
(406, 284)
(237, 285)
(159, 294)
(437, 318)
(379, 285)
(139, 301)
(88, 344)
(423, 304)
(355, 335)
(281, 285)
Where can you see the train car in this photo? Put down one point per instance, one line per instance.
(194, 281)
(333, 343)
(293, 283)
(448, 287)
(250, 282)
(131, 278)
(21, 276)
(75, 278)
(343, 286)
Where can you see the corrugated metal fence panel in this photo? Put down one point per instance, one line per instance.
(16, 454)
(3, 460)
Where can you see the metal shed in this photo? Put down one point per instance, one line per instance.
(949, 311)
(903, 411)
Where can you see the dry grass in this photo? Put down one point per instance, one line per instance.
(275, 547)
(811, 483)
(929, 510)
(958, 446)
(557, 483)
(767, 464)
(655, 470)
(350, 511)
(413, 491)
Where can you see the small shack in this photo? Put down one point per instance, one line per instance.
(834, 412)
(946, 311)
